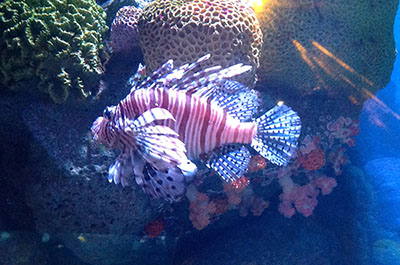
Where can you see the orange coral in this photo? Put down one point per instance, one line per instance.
(257, 163)
(200, 211)
(154, 228)
(221, 205)
(234, 190)
(313, 161)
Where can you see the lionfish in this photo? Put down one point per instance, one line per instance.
(177, 115)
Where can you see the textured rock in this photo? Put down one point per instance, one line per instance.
(22, 248)
(186, 30)
(54, 181)
(343, 48)
(69, 191)
(111, 249)
(58, 177)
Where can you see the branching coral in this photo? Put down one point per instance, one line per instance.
(55, 43)
(302, 199)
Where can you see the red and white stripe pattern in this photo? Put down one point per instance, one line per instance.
(201, 124)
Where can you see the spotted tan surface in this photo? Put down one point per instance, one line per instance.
(186, 30)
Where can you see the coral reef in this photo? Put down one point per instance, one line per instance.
(320, 158)
(302, 199)
(257, 163)
(209, 206)
(54, 43)
(345, 48)
(320, 153)
(201, 210)
(186, 30)
(124, 30)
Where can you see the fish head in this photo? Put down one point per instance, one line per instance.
(109, 113)
(103, 129)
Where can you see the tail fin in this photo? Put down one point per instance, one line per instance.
(277, 133)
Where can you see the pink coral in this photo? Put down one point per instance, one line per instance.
(309, 144)
(251, 202)
(124, 30)
(343, 129)
(338, 158)
(303, 199)
(325, 184)
(201, 210)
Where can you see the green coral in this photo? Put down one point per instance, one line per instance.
(54, 43)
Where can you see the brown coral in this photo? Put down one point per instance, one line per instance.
(124, 31)
(186, 30)
(342, 47)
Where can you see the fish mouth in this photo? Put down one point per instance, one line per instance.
(97, 126)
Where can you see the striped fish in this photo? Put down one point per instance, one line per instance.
(178, 115)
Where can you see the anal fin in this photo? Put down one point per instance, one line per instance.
(230, 162)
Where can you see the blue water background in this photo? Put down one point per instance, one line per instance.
(377, 152)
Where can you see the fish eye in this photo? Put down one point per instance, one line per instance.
(108, 113)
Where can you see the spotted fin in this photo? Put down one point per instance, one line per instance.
(169, 184)
(230, 162)
(277, 134)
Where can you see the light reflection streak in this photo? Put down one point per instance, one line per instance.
(317, 64)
